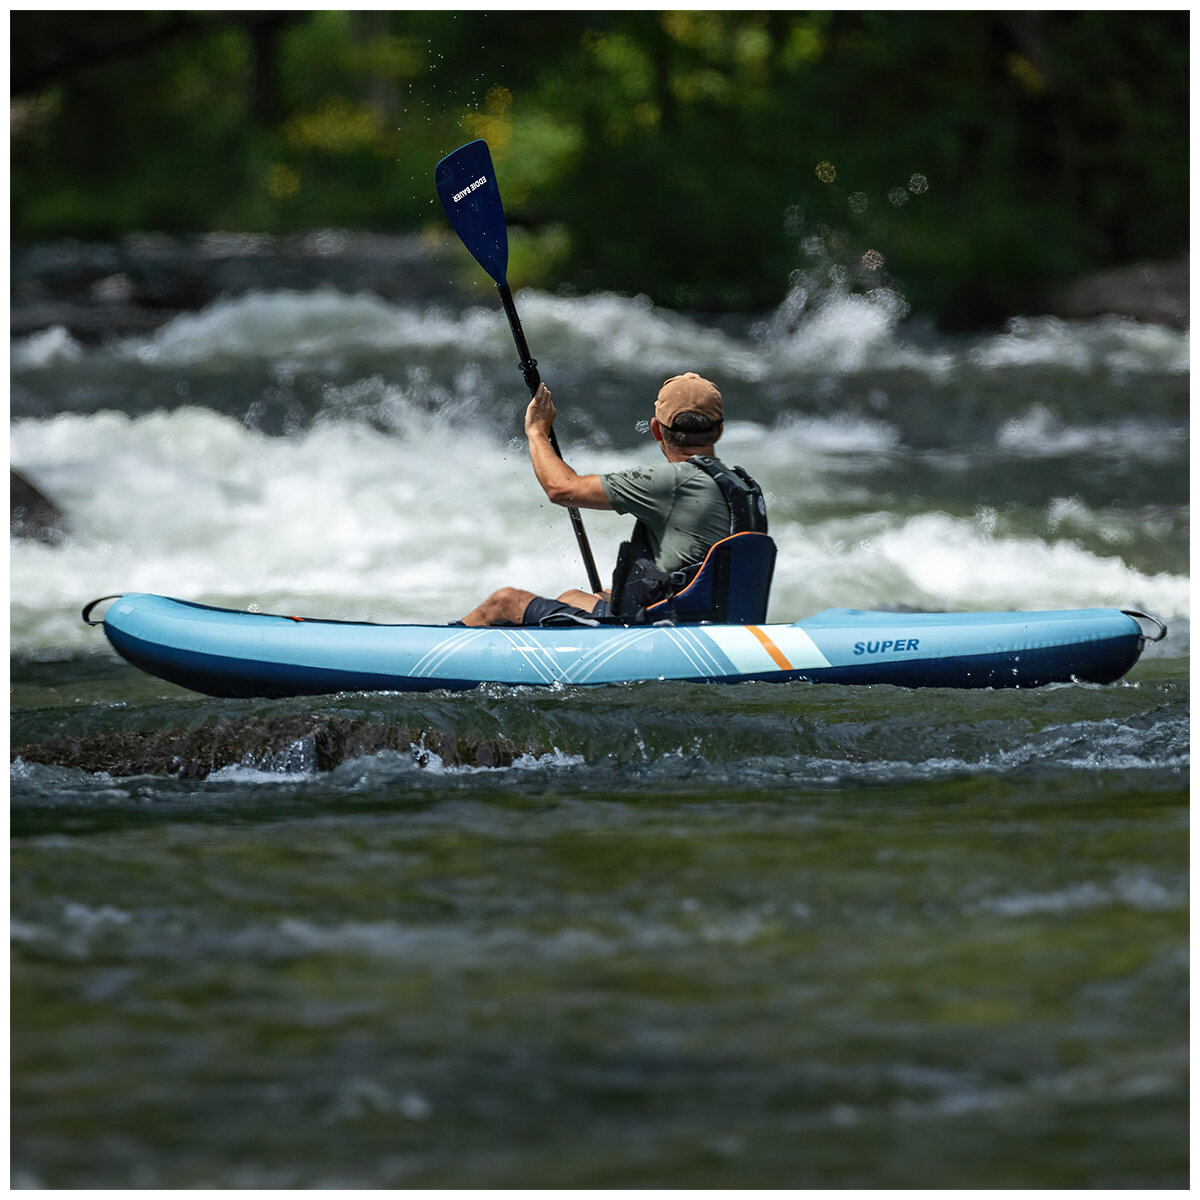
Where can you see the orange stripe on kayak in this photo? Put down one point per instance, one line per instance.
(770, 647)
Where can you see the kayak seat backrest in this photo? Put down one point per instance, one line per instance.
(732, 585)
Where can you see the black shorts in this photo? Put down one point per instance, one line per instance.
(543, 611)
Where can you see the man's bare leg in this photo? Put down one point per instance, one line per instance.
(585, 600)
(505, 607)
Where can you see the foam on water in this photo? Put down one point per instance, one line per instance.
(45, 349)
(307, 326)
(601, 330)
(840, 332)
(613, 331)
(351, 520)
(405, 501)
(1109, 343)
(846, 334)
(1039, 433)
(942, 562)
(1139, 891)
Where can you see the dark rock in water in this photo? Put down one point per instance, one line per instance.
(312, 741)
(1158, 293)
(31, 513)
(139, 283)
(134, 285)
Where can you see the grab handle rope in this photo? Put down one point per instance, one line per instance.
(1141, 616)
(87, 608)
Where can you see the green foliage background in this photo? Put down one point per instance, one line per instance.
(983, 157)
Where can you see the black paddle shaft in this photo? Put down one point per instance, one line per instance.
(532, 381)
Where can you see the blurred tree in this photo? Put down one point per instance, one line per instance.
(50, 49)
(978, 157)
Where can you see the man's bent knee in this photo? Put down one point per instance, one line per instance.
(505, 606)
(579, 599)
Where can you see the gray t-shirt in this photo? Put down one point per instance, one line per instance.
(682, 506)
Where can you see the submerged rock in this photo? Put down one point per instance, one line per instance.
(31, 513)
(312, 741)
(1159, 293)
(135, 285)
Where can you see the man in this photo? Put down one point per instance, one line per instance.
(683, 507)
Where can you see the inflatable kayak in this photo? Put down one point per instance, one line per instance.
(223, 652)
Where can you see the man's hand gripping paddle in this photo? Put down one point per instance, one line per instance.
(466, 184)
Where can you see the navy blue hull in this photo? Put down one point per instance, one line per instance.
(1099, 662)
(215, 675)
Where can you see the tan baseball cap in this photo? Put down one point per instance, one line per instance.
(688, 393)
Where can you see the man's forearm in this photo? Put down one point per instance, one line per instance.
(552, 473)
(560, 483)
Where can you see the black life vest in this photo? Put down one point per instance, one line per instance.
(638, 582)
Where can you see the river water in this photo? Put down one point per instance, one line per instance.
(693, 936)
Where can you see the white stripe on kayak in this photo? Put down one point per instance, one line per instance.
(753, 650)
(536, 656)
(749, 648)
(593, 662)
(697, 653)
(438, 655)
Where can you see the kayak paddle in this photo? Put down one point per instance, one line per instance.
(466, 185)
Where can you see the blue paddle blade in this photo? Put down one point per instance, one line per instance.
(466, 183)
